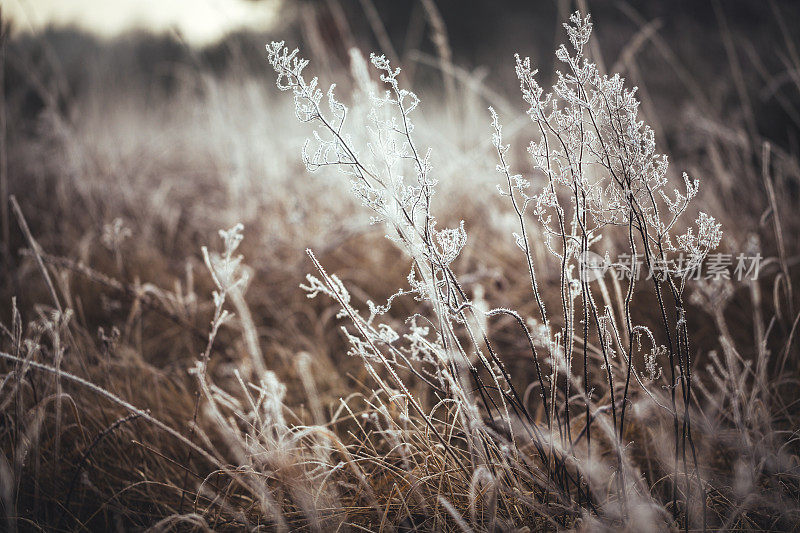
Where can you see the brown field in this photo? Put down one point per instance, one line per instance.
(314, 369)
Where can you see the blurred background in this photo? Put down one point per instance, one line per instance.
(677, 49)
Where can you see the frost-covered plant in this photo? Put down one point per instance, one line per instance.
(604, 177)
(601, 177)
(392, 177)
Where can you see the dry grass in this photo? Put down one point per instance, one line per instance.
(133, 398)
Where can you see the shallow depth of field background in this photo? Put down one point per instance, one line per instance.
(128, 151)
